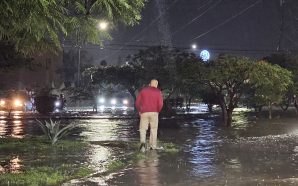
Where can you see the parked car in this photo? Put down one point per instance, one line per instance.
(50, 103)
(13, 100)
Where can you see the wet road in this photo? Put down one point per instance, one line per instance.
(253, 152)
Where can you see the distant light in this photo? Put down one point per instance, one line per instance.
(194, 46)
(57, 103)
(113, 101)
(125, 101)
(103, 25)
(17, 103)
(2, 103)
(102, 100)
(205, 55)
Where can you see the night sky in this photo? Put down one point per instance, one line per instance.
(245, 27)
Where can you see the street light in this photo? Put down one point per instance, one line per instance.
(102, 25)
(78, 45)
(194, 46)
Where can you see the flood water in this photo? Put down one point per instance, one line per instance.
(252, 152)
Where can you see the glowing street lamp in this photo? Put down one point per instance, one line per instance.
(194, 46)
(102, 25)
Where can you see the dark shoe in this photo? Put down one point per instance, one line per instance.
(142, 147)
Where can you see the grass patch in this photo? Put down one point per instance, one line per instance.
(170, 147)
(41, 163)
(134, 146)
(115, 165)
(38, 144)
(44, 175)
(130, 153)
(44, 164)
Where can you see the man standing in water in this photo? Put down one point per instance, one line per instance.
(149, 103)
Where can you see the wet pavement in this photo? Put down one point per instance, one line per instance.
(253, 152)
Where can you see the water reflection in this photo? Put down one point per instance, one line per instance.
(17, 129)
(13, 128)
(203, 150)
(12, 125)
(147, 171)
(2, 127)
(98, 155)
(107, 130)
(13, 165)
(99, 130)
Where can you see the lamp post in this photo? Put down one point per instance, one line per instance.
(78, 45)
(102, 26)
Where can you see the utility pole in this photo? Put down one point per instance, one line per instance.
(78, 45)
(282, 24)
(163, 24)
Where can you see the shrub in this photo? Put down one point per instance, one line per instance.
(52, 130)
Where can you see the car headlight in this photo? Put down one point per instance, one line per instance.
(57, 103)
(17, 103)
(2, 102)
(113, 101)
(125, 102)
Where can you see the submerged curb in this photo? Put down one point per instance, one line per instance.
(31, 116)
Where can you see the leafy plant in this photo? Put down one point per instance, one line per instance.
(53, 131)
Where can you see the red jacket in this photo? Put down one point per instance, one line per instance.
(149, 100)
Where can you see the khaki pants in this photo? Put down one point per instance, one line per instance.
(146, 119)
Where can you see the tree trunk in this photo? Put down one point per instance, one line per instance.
(286, 105)
(226, 114)
(260, 108)
(229, 121)
(270, 110)
(296, 105)
(210, 108)
(133, 95)
(188, 104)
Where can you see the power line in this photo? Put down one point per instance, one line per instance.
(197, 17)
(227, 20)
(210, 1)
(213, 49)
(154, 21)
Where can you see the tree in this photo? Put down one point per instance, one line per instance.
(33, 25)
(208, 97)
(227, 77)
(157, 62)
(40, 25)
(290, 63)
(153, 62)
(188, 81)
(129, 78)
(270, 82)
